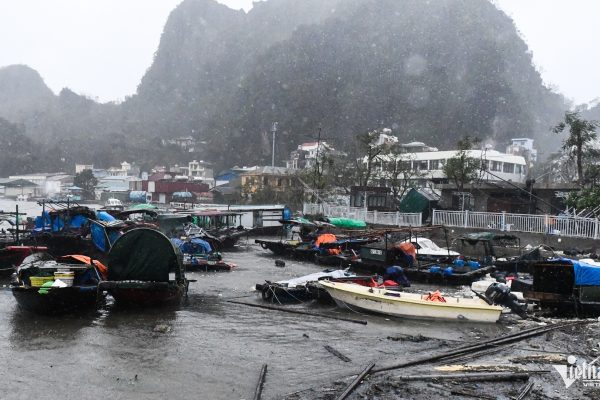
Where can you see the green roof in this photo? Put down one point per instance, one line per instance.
(19, 183)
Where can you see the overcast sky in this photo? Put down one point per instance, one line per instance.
(102, 48)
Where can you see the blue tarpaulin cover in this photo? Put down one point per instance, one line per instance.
(192, 246)
(586, 274)
(104, 216)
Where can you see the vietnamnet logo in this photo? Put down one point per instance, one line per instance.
(580, 370)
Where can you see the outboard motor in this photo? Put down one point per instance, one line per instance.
(499, 294)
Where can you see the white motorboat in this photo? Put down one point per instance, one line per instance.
(411, 305)
(427, 248)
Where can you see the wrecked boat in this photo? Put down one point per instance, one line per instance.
(523, 262)
(307, 287)
(296, 290)
(565, 285)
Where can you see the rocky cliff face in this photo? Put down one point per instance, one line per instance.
(432, 71)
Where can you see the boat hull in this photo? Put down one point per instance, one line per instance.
(400, 304)
(57, 300)
(146, 294)
(207, 266)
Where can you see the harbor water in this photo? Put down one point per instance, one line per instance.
(207, 348)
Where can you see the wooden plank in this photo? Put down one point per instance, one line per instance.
(337, 353)
(261, 382)
(354, 384)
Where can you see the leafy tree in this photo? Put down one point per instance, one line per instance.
(87, 181)
(582, 134)
(462, 169)
(398, 173)
(368, 150)
(585, 198)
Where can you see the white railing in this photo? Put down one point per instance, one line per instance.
(370, 217)
(547, 224)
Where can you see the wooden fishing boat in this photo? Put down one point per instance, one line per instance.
(411, 305)
(226, 226)
(198, 255)
(428, 250)
(566, 286)
(376, 257)
(296, 290)
(139, 267)
(53, 298)
(206, 262)
(306, 288)
(331, 251)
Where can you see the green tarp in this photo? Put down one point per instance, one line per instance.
(347, 223)
(414, 202)
(143, 254)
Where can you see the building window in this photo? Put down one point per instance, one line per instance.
(518, 169)
(279, 181)
(422, 165)
(265, 180)
(508, 168)
(434, 165)
(496, 166)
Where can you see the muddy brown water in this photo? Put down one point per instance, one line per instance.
(206, 348)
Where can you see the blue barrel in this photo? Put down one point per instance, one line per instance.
(473, 264)
(459, 263)
(448, 271)
(435, 269)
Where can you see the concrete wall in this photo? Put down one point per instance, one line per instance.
(533, 239)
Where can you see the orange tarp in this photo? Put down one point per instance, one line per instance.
(327, 238)
(87, 260)
(408, 248)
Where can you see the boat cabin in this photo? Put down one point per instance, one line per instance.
(571, 285)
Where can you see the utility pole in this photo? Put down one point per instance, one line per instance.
(273, 129)
(316, 175)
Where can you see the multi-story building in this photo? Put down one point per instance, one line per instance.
(429, 165)
(278, 179)
(523, 147)
(199, 171)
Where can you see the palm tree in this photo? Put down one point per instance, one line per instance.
(581, 134)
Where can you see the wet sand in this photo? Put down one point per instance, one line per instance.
(210, 349)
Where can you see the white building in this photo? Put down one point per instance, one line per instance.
(199, 171)
(523, 147)
(497, 166)
(305, 155)
(386, 138)
(79, 168)
(48, 183)
(415, 147)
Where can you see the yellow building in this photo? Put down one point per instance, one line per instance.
(278, 179)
